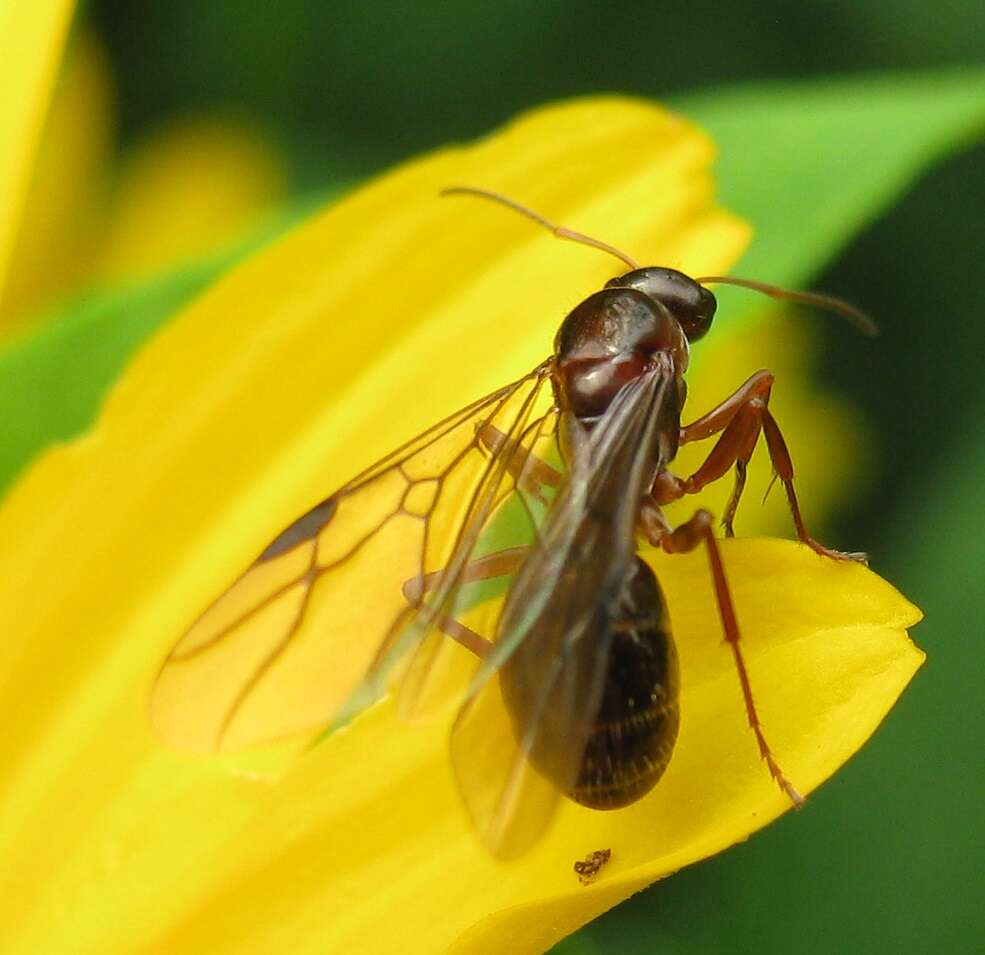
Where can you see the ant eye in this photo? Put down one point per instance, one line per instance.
(690, 303)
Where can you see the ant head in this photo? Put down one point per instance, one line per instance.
(690, 303)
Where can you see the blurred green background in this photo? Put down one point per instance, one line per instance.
(887, 856)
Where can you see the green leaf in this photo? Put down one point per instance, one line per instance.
(577, 944)
(810, 164)
(52, 382)
(921, 850)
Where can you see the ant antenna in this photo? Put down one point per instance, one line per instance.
(560, 231)
(827, 303)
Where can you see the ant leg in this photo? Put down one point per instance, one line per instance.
(756, 386)
(652, 524)
(416, 682)
(499, 564)
(530, 474)
(740, 421)
(783, 468)
(529, 471)
(685, 538)
(733, 502)
(720, 417)
(733, 448)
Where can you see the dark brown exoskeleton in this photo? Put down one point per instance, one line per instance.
(618, 336)
(618, 379)
(634, 333)
(577, 690)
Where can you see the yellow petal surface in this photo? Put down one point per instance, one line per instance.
(34, 34)
(297, 370)
(63, 211)
(195, 184)
(182, 192)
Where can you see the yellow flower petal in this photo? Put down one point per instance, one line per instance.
(181, 193)
(36, 32)
(375, 826)
(58, 233)
(195, 184)
(301, 367)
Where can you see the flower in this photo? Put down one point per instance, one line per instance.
(191, 186)
(299, 368)
(29, 73)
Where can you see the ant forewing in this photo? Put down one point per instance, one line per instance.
(545, 485)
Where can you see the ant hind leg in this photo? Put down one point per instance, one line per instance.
(687, 537)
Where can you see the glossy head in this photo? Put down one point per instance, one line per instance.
(690, 303)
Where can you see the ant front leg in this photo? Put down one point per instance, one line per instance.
(740, 419)
(686, 538)
(737, 419)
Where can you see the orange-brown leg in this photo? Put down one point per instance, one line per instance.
(687, 537)
(530, 472)
(740, 419)
(500, 564)
(720, 418)
(756, 386)
(733, 448)
(783, 468)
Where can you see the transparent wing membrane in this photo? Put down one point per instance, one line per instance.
(330, 606)
(509, 801)
(463, 565)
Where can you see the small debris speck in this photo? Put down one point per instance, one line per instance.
(588, 868)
